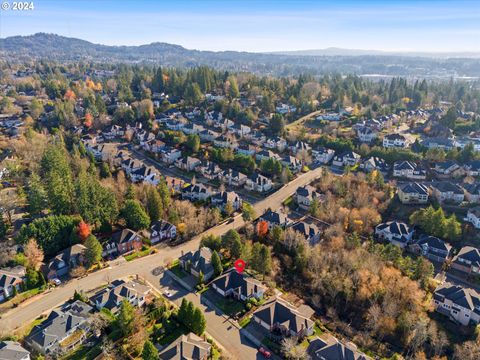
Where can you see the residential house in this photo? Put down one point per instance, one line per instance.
(198, 261)
(472, 192)
(68, 259)
(196, 192)
(432, 248)
(213, 116)
(366, 134)
(300, 146)
(12, 350)
(285, 109)
(330, 348)
(267, 154)
(130, 165)
(413, 193)
(209, 170)
(225, 142)
(113, 131)
(395, 232)
(259, 183)
(11, 278)
(375, 163)
(238, 285)
(258, 138)
(309, 231)
(275, 218)
(246, 149)
(275, 143)
(473, 216)
(241, 130)
(438, 143)
(472, 168)
(208, 135)
(114, 294)
(233, 177)
(305, 195)
(292, 163)
(169, 155)
(162, 230)
(323, 155)
(192, 128)
(447, 191)
(409, 170)
(174, 184)
(458, 303)
(155, 146)
(147, 174)
(188, 163)
(447, 169)
(329, 117)
(278, 315)
(222, 198)
(467, 260)
(62, 330)
(188, 346)
(175, 125)
(122, 242)
(223, 124)
(394, 141)
(144, 137)
(348, 158)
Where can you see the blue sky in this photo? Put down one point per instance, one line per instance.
(258, 25)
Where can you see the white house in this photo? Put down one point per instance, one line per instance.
(459, 303)
(397, 233)
(394, 141)
(162, 230)
(473, 216)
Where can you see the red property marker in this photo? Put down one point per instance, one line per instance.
(239, 265)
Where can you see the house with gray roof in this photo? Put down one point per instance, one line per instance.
(63, 330)
(222, 198)
(458, 303)
(446, 191)
(12, 350)
(396, 232)
(188, 346)
(11, 278)
(275, 218)
(238, 285)
(409, 170)
(473, 217)
(309, 231)
(278, 315)
(68, 259)
(413, 193)
(467, 260)
(198, 261)
(112, 297)
(330, 348)
(432, 248)
(162, 230)
(305, 195)
(472, 192)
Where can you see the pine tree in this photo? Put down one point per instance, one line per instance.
(36, 195)
(182, 311)
(199, 322)
(149, 351)
(125, 318)
(216, 263)
(154, 204)
(93, 251)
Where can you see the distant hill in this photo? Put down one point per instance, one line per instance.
(333, 51)
(331, 60)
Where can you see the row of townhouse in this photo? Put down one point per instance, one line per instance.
(442, 191)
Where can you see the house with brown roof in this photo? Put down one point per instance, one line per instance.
(188, 346)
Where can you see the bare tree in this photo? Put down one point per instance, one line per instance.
(34, 254)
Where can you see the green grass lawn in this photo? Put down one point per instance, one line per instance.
(229, 306)
(21, 297)
(138, 254)
(178, 271)
(245, 321)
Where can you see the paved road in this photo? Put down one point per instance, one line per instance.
(229, 338)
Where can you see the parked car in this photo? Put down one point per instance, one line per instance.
(266, 354)
(56, 282)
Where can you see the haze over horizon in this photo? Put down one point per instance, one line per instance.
(267, 26)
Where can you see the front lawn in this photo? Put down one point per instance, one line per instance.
(178, 271)
(229, 306)
(139, 254)
(21, 297)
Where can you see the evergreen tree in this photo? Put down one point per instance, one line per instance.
(199, 322)
(154, 204)
(125, 318)
(216, 263)
(135, 216)
(193, 143)
(149, 351)
(189, 315)
(277, 124)
(182, 311)
(3, 226)
(93, 251)
(248, 212)
(36, 195)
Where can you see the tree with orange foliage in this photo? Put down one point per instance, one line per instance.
(262, 228)
(88, 120)
(83, 230)
(69, 95)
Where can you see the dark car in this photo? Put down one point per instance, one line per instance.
(266, 354)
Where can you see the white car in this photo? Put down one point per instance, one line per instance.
(56, 281)
(167, 293)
